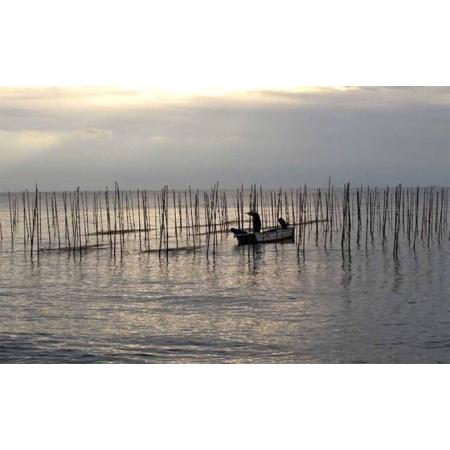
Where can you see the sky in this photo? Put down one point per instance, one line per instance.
(173, 92)
(61, 138)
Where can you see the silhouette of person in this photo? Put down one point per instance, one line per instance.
(256, 221)
(283, 223)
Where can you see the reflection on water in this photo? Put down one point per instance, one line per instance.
(243, 304)
(398, 277)
(262, 303)
(346, 273)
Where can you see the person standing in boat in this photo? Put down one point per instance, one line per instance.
(256, 221)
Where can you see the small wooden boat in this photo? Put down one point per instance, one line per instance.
(263, 237)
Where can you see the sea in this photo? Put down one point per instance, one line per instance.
(272, 303)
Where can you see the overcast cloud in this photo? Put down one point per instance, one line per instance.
(62, 138)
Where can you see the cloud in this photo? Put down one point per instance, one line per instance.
(18, 146)
(62, 138)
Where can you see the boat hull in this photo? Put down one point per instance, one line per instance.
(265, 237)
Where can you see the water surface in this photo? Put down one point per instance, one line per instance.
(241, 305)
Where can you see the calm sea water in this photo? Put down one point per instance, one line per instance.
(244, 305)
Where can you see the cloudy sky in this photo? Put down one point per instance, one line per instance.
(64, 137)
(211, 91)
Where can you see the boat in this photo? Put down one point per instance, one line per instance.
(263, 237)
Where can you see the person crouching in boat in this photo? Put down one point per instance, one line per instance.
(283, 223)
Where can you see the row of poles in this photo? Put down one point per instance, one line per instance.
(421, 214)
(167, 220)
